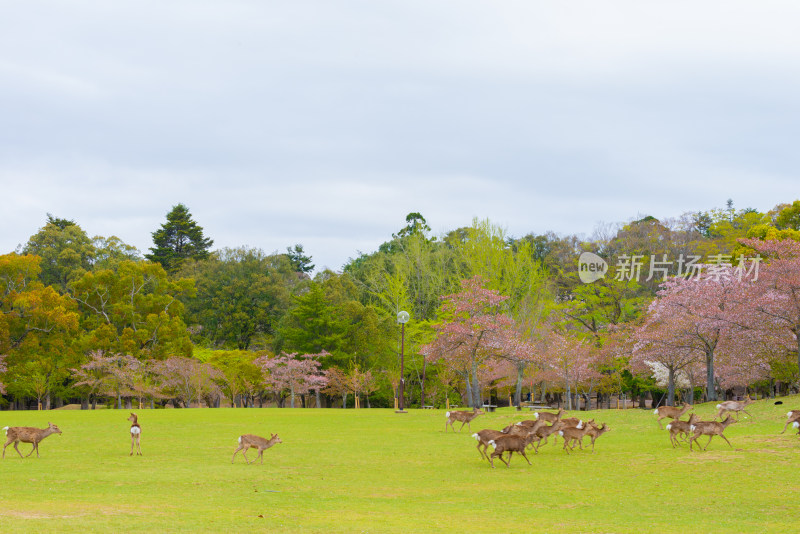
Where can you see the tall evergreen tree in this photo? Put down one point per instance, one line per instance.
(180, 238)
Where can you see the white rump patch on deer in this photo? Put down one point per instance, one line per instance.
(493, 444)
(447, 414)
(796, 424)
(719, 406)
(788, 414)
(518, 424)
(476, 436)
(692, 428)
(655, 412)
(136, 430)
(561, 433)
(536, 415)
(580, 425)
(240, 440)
(669, 426)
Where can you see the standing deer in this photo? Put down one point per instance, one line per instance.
(136, 431)
(465, 417)
(791, 417)
(28, 434)
(681, 427)
(248, 441)
(734, 406)
(671, 412)
(710, 429)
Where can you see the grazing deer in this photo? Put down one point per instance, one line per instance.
(510, 444)
(573, 433)
(710, 429)
(549, 416)
(28, 434)
(791, 417)
(734, 406)
(681, 427)
(464, 417)
(136, 431)
(671, 412)
(247, 441)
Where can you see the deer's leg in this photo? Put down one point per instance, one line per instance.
(709, 441)
(244, 453)
(748, 413)
(726, 440)
(16, 448)
(9, 442)
(33, 449)
(522, 452)
(659, 422)
(234, 453)
(261, 455)
(133, 440)
(462, 426)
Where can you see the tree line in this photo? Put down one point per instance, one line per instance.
(682, 308)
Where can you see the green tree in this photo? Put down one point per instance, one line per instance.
(179, 239)
(242, 294)
(65, 249)
(298, 259)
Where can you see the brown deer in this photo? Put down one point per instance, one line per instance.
(544, 433)
(484, 437)
(549, 416)
(734, 406)
(465, 417)
(671, 412)
(791, 417)
(136, 431)
(593, 432)
(681, 427)
(28, 434)
(573, 433)
(510, 444)
(710, 429)
(248, 441)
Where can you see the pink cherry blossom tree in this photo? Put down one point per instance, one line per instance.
(292, 373)
(472, 331)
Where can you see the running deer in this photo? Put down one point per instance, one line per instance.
(28, 434)
(734, 406)
(710, 429)
(248, 441)
(573, 433)
(681, 427)
(544, 433)
(510, 444)
(672, 412)
(484, 437)
(136, 431)
(549, 416)
(791, 417)
(593, 432)
(464, 417)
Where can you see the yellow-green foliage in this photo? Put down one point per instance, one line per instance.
(377, 471)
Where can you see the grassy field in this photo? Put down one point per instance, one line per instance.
(377, 471)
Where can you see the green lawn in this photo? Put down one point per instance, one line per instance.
(377, 471)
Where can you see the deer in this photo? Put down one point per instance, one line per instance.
(549, 416)
(485, 436)
(593, 432)
(28, 434)
(510, 444)
(710, 429)
(136, 431)
(573, 433)
(465, 418)
(248, 441)
(734, 406)
(544, 433)
(791, 417)
(681, 427)
(672, 412)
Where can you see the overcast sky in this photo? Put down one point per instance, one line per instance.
(325, 122)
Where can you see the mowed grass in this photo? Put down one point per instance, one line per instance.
(377, 471)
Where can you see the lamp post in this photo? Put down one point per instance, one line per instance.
(402, 318)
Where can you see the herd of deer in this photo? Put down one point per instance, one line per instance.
(28, 434)
(519, 436)
(516, 437)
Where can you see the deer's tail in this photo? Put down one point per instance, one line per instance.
(446, 415)
(6, 429)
